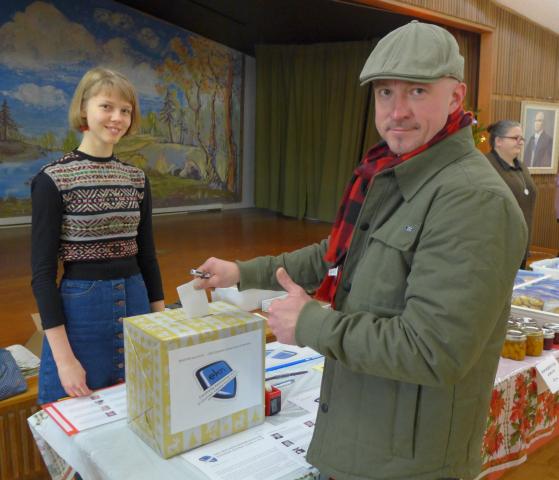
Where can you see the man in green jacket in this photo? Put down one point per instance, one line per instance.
(419, 269)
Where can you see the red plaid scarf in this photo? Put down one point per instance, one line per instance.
(377, 159)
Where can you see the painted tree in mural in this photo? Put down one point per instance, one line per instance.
(8, 126)
(167, 114)
(221, 66)
(202, 71)
(182, 123)
(48, 141)
(149, 123)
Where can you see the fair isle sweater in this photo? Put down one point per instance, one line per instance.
(94, 215)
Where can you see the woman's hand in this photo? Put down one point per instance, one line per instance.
(70, 370)
(72, 378)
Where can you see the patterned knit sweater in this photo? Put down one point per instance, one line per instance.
(94, 214)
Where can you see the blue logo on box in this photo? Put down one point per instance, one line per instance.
(213, 373)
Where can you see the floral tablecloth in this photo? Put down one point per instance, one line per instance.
(56, 465)
(523, 415)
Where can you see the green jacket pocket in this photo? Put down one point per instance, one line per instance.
(405, 420)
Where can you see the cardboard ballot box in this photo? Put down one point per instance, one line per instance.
(189, 382)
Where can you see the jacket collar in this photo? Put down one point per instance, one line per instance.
(415, 172)
(504, 165)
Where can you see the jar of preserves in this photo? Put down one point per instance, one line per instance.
(534, 341)
(548, 338)
(554, 327)
(515, 345)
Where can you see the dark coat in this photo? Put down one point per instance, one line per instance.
(542, 156)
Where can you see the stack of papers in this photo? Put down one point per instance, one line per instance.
(273, 452)
(74, 415)
(26, 360)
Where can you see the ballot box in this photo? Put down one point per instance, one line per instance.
(192, 381)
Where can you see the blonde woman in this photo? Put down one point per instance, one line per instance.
(92, 212)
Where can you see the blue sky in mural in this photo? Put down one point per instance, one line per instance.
(47, 46)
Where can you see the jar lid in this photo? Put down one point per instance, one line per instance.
(551, 326)
(515, 336)
(532, 331)
(548, 333)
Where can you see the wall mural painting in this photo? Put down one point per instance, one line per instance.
(190, 92)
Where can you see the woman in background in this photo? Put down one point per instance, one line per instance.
(506, 140)
(93, 213)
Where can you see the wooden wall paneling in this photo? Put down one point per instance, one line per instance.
(545, 227)
(498, 53)
(506, 108)
(469, 44)
(521, 44)
(526, 59)
(535, 83)
(547, 51)
(478, 11)
(479, 17)
(486, 76)
(503, 57)
(555, 71)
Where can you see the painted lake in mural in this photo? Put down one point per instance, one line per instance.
(15, 177)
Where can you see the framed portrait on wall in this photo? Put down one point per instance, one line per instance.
(540, 126)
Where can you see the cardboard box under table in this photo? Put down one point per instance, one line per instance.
(189, 382)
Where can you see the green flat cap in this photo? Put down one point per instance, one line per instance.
(416, 52)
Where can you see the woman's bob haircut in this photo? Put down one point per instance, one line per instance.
(94, 82)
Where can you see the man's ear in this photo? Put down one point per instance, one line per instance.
(458, 96)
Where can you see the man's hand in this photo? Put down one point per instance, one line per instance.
(222, 274)
(157, 306)
(72, 378)
(284, 312)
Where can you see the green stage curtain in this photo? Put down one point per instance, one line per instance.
(312, 122)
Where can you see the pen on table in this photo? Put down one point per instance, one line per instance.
(295, 362)
(286, 375)
(283, 384)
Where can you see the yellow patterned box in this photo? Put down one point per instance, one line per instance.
(189, 382)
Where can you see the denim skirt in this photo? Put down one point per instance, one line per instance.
(94, 312)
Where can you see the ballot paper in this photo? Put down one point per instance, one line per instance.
(74, 415)
(279, 355)
(194, 302)
(266, 451)
(307, 400)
